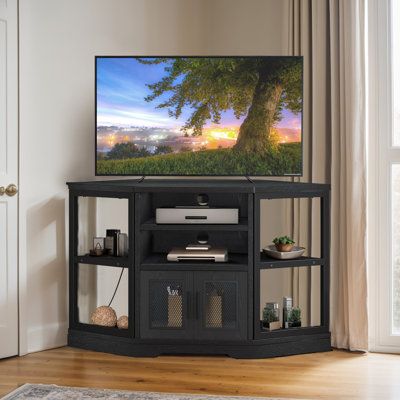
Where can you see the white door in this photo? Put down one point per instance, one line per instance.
(8, 178)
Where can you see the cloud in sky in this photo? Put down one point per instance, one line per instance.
(121, 89)
(128, 116)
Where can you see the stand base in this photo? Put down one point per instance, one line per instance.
(246, 350)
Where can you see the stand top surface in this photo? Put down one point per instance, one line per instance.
(243, 185)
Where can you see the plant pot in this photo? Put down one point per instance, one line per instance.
(270, 326)
(295, 324)
(284, 247)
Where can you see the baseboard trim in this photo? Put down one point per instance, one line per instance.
(48, 336)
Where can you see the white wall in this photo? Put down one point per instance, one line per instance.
(58, 42)
(246, 27)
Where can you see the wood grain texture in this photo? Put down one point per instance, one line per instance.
(332, 375)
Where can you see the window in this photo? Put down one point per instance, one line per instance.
(384, 174)
(395, 275)
(395, 51)
(395, 179)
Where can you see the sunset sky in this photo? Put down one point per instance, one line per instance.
(121, 89)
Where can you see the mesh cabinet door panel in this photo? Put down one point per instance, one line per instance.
(164, 308)
(221, 303)
(221, 299)
(166, 304)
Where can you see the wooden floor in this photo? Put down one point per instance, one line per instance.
(332, 375)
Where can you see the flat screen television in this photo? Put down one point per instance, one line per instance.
(208, 116)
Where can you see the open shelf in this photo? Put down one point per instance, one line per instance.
(104, 330)
(151, 225)
(159, 261)
(306, 330)
(269, 262)
(103, 260)
(95, 287)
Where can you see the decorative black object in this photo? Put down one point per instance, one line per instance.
(112, 241)
(209, 308)
(202, 237)
(202, 199)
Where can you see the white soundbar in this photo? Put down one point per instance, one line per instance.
(197, 215)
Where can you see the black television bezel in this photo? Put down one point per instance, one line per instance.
(200, 175)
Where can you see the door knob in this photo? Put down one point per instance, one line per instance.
(10, 190)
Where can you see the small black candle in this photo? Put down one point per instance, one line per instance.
(113, 233)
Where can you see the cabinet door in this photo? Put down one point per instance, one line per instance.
(165, 304)
(220, 305)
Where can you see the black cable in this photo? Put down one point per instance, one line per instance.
(116, 288)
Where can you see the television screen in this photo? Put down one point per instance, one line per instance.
(199, 116)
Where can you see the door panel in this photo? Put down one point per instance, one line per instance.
(8, 175)
(3, 95)
(165, 307)
(221, 304)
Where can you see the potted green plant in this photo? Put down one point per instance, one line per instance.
(284, 243)
(295, 318)
(270, 320)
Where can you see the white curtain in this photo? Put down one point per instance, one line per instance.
(330, 35)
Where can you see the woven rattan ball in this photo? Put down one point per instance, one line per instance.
(122, 322)
(104, 316)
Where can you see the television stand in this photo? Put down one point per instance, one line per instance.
(195, 307)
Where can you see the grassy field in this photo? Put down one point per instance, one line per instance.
(209, 162)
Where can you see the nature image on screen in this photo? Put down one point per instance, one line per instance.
(199, 115)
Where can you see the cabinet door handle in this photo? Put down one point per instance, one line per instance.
(196, 308)
(188, 306)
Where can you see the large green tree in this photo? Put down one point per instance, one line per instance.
(257, 88)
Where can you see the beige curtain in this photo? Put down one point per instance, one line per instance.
(330, 36)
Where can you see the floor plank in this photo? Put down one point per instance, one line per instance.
(331, 375)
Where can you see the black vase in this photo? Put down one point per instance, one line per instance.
(114, 234)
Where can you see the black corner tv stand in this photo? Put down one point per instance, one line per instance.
(219, 306)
